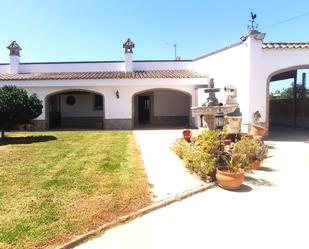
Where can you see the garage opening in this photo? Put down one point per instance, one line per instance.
(161, 107)
(289, 99)
(75, 109)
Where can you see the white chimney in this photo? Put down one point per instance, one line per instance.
(14, 57)
(128, 53)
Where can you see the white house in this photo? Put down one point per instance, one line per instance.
(132, 93)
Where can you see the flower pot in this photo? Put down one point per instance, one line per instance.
(227, 141)
(256, 164)
(257, 130)
(187, 134)
(228, 180)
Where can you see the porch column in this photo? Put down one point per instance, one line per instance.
(294, 101)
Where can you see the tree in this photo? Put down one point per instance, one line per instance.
(17, 107)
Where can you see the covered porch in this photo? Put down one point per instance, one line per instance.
(77, 109)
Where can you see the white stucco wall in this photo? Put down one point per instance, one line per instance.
(248, 67)
(83, 107)
(97, 66)
(163, 106)
(4, 68)
(114, 108)
(228, 67)
(162, 65)
(245, 65)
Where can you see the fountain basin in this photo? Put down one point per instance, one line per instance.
(212, 110)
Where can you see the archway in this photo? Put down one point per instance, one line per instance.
(288, 98)
(161, 107)
(74, 109)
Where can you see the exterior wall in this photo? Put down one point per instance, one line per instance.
(168, 107)
(71, 67)
(83, 107)
(162, 106)
(162, 65)
(97, 66)
(117, 112)
(249, 67)
(228, 67)
(4, 68)
(246, 66)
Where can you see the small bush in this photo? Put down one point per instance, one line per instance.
(201, 155)
(200, 161)
(180, 147)
(247, 147)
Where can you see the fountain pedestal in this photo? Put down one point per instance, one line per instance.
(208, 122)
(207, 111)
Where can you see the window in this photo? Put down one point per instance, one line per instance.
(98, 102)
(70, 100)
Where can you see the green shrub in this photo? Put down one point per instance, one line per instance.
(262, 151)
(210, 141)
(200, 161)
(180, 147)
(201, 155)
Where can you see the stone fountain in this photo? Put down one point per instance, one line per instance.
(207, 111)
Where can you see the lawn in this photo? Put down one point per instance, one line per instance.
(56, 185)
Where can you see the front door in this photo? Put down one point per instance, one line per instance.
(143, 109)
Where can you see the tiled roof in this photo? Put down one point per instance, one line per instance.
(159, 74)
(285, 45)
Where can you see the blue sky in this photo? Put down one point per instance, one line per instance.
(77, 30)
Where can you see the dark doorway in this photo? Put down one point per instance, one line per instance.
(143, 109)
(289, 99)
(54, 112)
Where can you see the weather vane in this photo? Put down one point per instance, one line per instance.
(253, 26)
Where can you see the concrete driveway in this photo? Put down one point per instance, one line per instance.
(271, 210)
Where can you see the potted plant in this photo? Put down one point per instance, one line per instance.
(232, 175)
(256, 129)
(187, 134)
(260, 154)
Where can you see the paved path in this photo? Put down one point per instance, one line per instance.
(271, 211)
(166, 172)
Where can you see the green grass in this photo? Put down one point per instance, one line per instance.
(56, 185)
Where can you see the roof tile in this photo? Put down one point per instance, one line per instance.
(286, 45)
(165, 74)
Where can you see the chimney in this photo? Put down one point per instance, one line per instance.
(14, 57)
(128, 53)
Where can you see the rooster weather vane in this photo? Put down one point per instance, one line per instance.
(253, 26)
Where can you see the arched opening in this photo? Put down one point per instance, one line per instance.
(74, 109)
(288, 93)
(161, 107)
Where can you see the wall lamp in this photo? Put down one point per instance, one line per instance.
(117, 94)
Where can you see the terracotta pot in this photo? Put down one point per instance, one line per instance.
(257, 130)
(256, 164)
(187, 135)
(228, 180)
(227, 141)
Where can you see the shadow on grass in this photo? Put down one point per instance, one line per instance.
(258, 182)
(26, 140)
